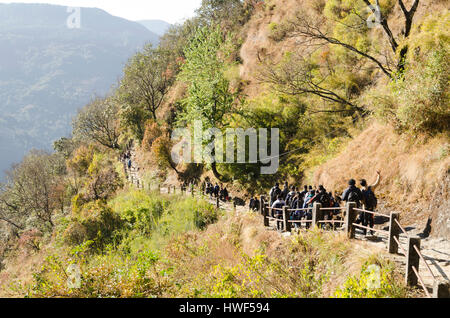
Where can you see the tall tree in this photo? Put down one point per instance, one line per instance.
(209, 98)
(98, 122)
(30, 189)
(148, 77)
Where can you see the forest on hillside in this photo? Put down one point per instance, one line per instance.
(321, 71)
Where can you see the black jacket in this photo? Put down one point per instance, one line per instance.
(350, 189)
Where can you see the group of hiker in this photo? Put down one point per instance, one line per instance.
(126, 158)
(217, 191)
(301, 202)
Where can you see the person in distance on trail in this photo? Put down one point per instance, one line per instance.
(323, 198)
(369, 201)
(308, 197)
(274, 193)
(285, 191)
(278, 214)
(304, 192)
(251, 204)
(290, 196)
(216, 190)
(307, 204)
(225, 194)
(257, 205)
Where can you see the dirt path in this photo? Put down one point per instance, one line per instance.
(133, 173)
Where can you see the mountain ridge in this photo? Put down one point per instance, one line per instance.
(48, 71)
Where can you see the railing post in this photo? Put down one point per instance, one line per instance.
(412, 259)
(441, 289)
(217, 202)
(350, 218)
(394, 232)
(261, 205)
(266, 214)
(316, 214)
(168, 189)
(159, 188)
(287, 225)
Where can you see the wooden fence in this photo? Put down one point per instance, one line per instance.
(316, 218)
(282, 217)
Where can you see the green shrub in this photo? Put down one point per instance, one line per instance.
(95, 222)
(140, 209)
(376, 280)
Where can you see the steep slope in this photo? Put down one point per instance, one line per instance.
(48, 71)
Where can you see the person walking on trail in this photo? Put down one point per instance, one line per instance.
(129, 164)
(369, 201)
(308, 198)
(307, 205)
(254, 204)
(274, 193)
(216, 190)
(296, 205)
(304, 192)
(354, 194)
(290, 196)
(278, 213)
(285, 191)
(323, 198)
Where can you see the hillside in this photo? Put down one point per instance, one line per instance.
(333, 97)
(48, 71)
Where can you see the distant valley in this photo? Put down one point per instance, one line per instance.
(48, 70)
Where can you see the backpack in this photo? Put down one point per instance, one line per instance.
(324, 199)
(275, 193)
(370, 200)
(353, 196)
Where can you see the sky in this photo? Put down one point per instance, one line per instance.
(171, 11)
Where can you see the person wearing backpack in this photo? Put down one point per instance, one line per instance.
(324, 199)
(278, 213)
(274, 193)
(285, 191)
(370, 201)
(352, 194)
(290, 196)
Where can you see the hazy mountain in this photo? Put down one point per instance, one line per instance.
(157, 26)
(48, 70)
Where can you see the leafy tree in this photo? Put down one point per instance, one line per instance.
(148, 77)
(209, 98)
(98, 122)
(227, 13)
(30, 188)
(65, 146)
(101, 178)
